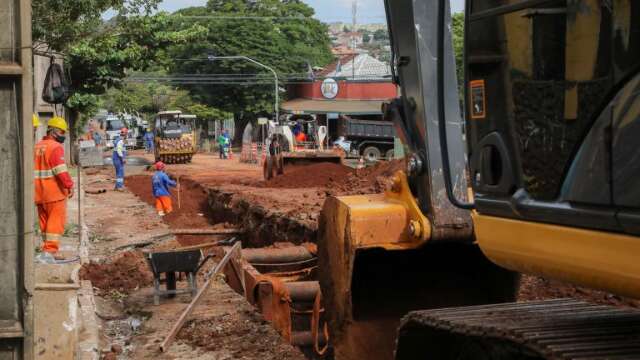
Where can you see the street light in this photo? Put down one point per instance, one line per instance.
(212, 57)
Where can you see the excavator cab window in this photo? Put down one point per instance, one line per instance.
(552, 108)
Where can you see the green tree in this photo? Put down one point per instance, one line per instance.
(288, 39)
(152, 97)
(99, 54)
(380, 35)
(457, 32)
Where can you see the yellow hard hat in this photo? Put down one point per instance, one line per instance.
(36, 120)
(58, 123)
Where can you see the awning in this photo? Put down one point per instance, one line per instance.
(347, 107)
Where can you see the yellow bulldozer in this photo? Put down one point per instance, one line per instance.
(540, 174)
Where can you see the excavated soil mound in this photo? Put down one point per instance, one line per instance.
(127, 272)
(306, 176)
(190, 211)
(338, 179)
(372, 179)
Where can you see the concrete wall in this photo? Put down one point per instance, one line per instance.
(16, 179)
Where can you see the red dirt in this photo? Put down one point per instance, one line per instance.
(127, 272)
(315, 175)
(337, 179)
(373, 179)
(192, 211)
(537, 288)
(246, 336)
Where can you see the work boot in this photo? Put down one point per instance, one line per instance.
(161, 213)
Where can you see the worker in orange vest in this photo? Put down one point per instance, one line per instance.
(53, 184)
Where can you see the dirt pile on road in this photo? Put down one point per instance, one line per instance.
(338, 179)
(373, 179)
(191, 210)
(126, 272)
(306, 176)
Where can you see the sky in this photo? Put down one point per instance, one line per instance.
(369, 11)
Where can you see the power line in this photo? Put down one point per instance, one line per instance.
(217, 17)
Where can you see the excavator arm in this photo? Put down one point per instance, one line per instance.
(550, 103)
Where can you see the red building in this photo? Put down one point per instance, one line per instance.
(354, 87)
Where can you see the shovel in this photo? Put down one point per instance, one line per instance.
(179, 191)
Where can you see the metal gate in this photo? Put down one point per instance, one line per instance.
(16, 181)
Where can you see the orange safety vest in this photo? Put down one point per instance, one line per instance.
(301, 137)
(48, 187)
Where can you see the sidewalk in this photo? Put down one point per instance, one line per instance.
(72, 330)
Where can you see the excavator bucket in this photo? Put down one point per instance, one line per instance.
(304, 157)
(378, 263)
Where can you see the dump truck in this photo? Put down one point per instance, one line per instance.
(174, 137)
(285, 149)
(371, 139)
(544, 182)
(112, 125)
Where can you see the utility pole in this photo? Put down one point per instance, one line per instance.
(354, 45)
(354, 22)
(255, 62)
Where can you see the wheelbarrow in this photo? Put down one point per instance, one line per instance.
(170, 263)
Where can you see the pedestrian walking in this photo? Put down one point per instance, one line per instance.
(148, 141)
(201, 139)
(53, 185)
(97, 138)
(222, 141)
(119, 157)
(227, 144)
(161, 183)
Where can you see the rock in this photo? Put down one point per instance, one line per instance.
(116, 349)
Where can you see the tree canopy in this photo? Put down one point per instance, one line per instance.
(457, 33)
(152, 97)
(97, 53)
(280, 34)
(380, 35)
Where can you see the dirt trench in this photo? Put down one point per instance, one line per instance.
(204, 206)
(267, 221)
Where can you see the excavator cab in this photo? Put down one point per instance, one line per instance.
(553, 116)
(540, 177)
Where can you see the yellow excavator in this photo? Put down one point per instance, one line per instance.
(541, 177)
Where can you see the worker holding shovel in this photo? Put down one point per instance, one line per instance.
(161, 184)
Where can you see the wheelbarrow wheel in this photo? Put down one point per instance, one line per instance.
(171, 283)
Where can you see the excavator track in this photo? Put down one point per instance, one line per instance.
(551, 329)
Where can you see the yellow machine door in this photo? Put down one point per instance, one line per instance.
(553, 118)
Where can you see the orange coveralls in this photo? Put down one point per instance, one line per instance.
(164, 205)
(52, 187)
